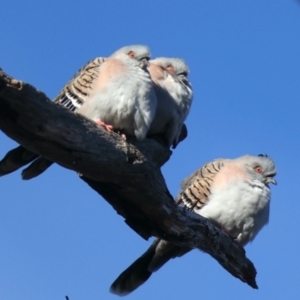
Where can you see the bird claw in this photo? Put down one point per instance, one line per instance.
(110, 128)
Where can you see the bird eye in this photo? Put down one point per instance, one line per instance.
(258, 169)
(170, 69)
(131, 54)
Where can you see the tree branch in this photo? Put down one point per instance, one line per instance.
(125, 173)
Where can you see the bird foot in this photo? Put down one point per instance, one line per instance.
(105, 126)
(110, 128)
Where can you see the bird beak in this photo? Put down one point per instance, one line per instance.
(183, 79)
(144, 62)
(271, 180)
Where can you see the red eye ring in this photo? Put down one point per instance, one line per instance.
(170, 69)
(258, 169)
(131, 54)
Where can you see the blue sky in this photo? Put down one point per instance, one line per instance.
(58, 237)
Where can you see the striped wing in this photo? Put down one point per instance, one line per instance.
(71, 96)
(195, 189)
(78, 88)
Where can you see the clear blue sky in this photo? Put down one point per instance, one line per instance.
(58, 237)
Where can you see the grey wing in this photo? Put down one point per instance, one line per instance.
(195, 189)
(71, 96)
(78, 88)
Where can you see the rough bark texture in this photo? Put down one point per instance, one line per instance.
(125, 173)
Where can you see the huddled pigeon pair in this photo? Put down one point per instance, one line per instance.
(127, 92)
(137, 96)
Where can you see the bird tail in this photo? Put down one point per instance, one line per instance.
(36, 168)
(135, 275)
(159, 253)
(15, 159)
(19, 157)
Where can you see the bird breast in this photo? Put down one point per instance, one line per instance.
(120, 90)
(242, 209)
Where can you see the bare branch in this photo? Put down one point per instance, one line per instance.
(126, 173)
